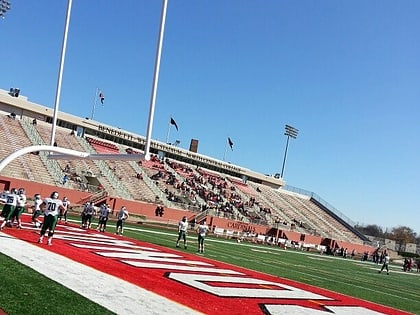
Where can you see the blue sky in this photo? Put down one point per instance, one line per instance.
(345, 73)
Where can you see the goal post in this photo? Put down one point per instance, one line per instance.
(68, 154)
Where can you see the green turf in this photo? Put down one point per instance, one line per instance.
(24, 291)
(350, 277)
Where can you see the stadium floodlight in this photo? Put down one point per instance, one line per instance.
(14, 92)
(4, 7)
(290, 132)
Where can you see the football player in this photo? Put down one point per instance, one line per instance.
(51, 207)
(121, 216)
(103, 215)
(9, 208)
(36, 210)
(20, 207)
(63, 213)
(182, 231)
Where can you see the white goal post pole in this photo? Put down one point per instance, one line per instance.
(155, 82)
(68, 154)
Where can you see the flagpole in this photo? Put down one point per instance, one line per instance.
(95, 100)
(155, 82)
(169, 130)
(224, 154)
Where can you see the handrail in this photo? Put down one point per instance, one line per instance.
(107, 172)
(52, 166)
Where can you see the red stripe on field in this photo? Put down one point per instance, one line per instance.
(158, 281)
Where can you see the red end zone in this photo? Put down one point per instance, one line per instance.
(202, 284)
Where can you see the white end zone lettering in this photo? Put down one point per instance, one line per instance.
(284, 292)
(301, 310)
(167, 266)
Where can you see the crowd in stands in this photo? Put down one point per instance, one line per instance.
(193, 185)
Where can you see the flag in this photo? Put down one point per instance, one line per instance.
(230, 143)
(174, 123)
(102, 97)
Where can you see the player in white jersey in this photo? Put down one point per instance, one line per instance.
(51, 207)
(182, 231)
(202, 230)
(20, 207)
(36, 210)
(122, 215)
(9, 208)
(63, 213)
(385, 264)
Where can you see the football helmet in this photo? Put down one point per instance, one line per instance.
(65, 199)
(37, 196)
(21, 191)
(13, 191)
(54, 195)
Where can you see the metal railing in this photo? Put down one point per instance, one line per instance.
(330, 207)
(106, 171)
(149, 183)
(52, 166)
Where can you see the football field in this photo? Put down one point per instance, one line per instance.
(142, 272)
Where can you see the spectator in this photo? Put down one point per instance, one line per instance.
(159, 211)
(34, 122)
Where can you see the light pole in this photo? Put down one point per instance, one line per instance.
(290, 132)
(4, 7)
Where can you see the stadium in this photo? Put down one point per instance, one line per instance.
(183, 181)
(240, 206)
(97, 219)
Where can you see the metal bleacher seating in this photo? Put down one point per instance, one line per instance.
(138, 181)
(28, 166)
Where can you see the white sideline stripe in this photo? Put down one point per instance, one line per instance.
(117, 295)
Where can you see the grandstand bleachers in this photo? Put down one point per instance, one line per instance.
(102, 146)
(181, 183)
(12, 138)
